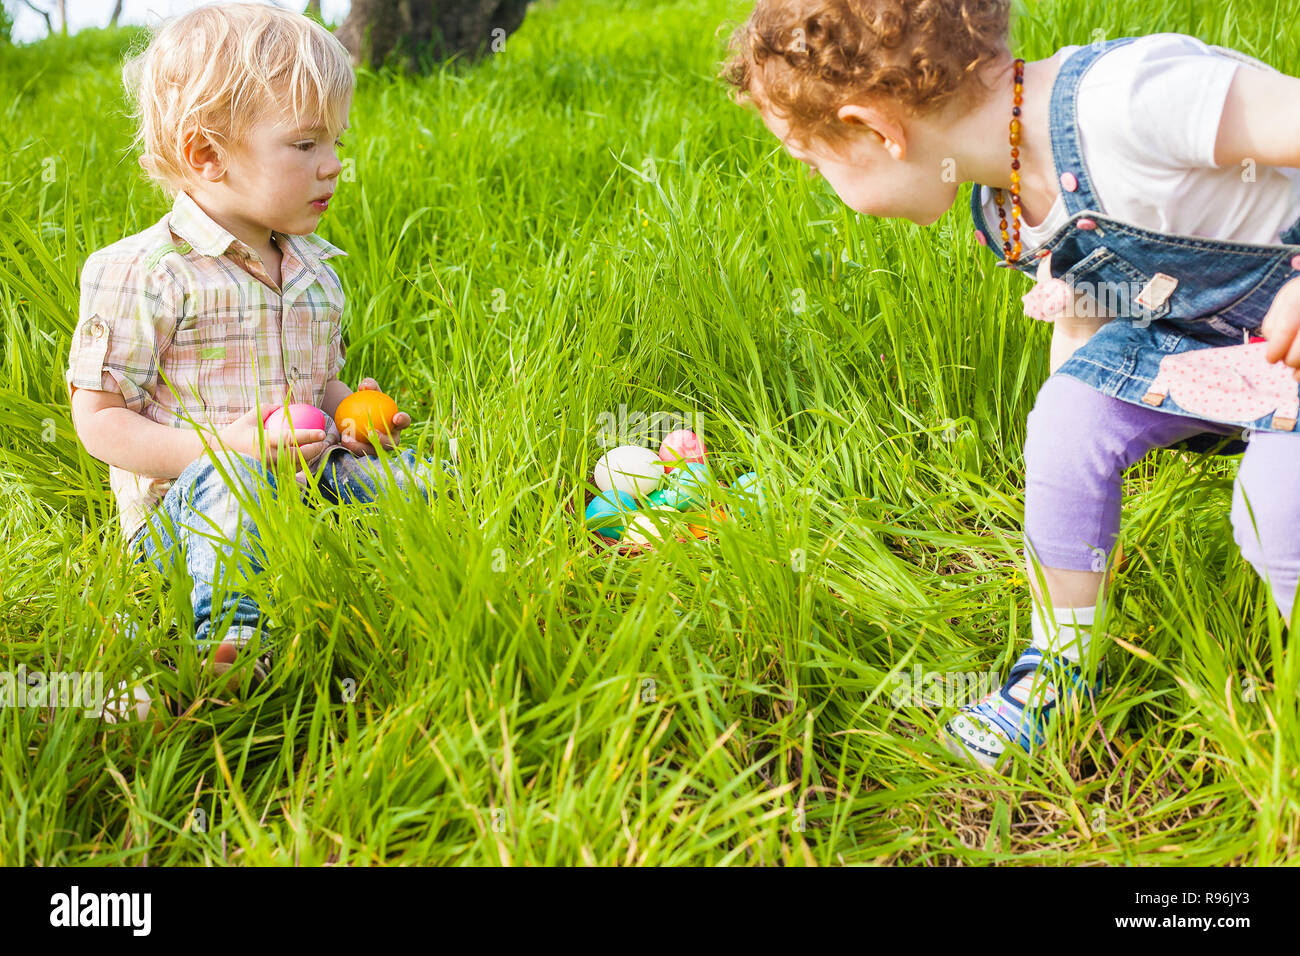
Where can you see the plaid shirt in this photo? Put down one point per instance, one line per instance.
(182, 319)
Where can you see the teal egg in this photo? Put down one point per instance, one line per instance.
(749, 489)
(689, 485)
(607, 514)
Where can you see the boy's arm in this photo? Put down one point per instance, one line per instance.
(335, 392)
(118, 436)
(128, 314)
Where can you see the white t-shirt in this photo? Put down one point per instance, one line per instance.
(1148, 115)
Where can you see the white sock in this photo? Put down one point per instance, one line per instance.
(1067, 634)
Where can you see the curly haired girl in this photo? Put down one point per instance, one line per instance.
(1150, 185)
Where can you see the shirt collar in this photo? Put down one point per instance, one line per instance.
(196, 227)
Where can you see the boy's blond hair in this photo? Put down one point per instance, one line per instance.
(223, 68)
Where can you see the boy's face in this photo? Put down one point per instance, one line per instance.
(878, 171)
(275, 181)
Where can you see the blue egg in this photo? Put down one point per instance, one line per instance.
(689, 485)
(607, 514)
(749, 489)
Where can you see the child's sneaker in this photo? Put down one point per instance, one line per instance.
(1020, 711)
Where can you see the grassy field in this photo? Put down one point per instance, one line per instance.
(581, 224)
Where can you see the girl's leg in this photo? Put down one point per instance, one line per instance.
(1079, 444)
(1266, 512)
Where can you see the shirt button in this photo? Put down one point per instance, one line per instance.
(293, 372)
(1086, 224)
(1069, 182)
(98, 328)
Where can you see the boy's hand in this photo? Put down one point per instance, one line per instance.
(241, 436)
(1282, 327)
(360, 446)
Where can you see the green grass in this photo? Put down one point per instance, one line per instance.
(521, 699)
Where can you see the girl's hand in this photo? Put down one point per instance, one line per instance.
(1282, 327)
(360, 446)
(1050, 298)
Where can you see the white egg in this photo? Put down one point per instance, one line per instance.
(643, 529)
(126, 702)
(629, 468)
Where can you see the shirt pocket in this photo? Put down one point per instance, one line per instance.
(326, 343)
(210, 368)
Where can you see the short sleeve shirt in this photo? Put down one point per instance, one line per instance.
(184, 321)
(1148, 116)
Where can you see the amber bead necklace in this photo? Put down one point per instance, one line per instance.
(1011, 242)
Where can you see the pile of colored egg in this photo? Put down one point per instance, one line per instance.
(634, 482)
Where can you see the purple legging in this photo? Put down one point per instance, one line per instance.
(1078, 446)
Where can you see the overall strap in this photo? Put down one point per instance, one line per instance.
(1067, 152)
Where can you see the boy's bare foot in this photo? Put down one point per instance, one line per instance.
(222, 664)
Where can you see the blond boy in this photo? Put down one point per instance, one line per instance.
(192, 329)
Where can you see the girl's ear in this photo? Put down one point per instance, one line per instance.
(880, 125)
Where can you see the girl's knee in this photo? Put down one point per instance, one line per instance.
(1266, 512)
(1266, 515)
(1067, 422)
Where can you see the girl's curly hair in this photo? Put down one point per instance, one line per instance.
(802, 59)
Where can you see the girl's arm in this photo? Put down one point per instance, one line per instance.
(1260, 121)
(1068, 333)
(1075, 315)
(1261, 125)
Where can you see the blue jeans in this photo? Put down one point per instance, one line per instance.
(207, 516)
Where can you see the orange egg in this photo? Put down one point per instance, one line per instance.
(363, 411)
(701, 532)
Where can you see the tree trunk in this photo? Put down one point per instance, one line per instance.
(117, 12)
(49, 24)
(63, 16)
(419, 32)
(313, 9)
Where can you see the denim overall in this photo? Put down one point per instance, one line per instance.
(1170, 293)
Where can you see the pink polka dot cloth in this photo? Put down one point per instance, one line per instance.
(1235, 383)
(1049, 297)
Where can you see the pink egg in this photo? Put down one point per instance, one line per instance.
(303, 417)
(680, 447)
